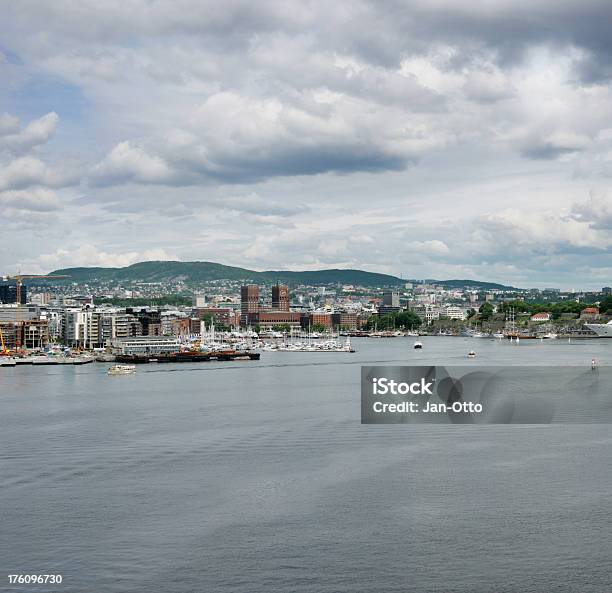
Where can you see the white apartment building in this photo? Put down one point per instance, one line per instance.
(427, 312)
(454, 312)
(145, 345)
(92, 328)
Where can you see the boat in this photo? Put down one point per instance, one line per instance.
(326, 346)
(43, 359)
(499, 335)
(121, 369)
(7, 361)
(471, 354)
(418, 345)
(603, 330)
(550, 336)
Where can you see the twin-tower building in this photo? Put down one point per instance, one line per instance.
(250, 311)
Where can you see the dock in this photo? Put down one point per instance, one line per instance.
(187, 357)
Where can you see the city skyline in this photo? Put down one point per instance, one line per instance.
(426, 141)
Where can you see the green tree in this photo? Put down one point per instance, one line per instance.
(403, 319)
(486, 311)
(407, 320)
(605, 305)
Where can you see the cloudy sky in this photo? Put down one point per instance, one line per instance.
(427, 138)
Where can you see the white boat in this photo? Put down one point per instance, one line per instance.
(121, 369)
(499, 335)
(550, 336)
(42, 359)
(471, 354)
(7, 361)
(603, 330)
(418, 345)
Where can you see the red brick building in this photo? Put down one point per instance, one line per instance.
(280, 297)
(249, 301)
(272, 319)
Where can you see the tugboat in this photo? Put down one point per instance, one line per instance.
(418, 345)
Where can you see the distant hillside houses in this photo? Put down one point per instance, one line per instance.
(589, 314)
(544, 316)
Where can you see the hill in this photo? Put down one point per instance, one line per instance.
(199, 272)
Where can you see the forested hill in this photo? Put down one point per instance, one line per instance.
(199, 272)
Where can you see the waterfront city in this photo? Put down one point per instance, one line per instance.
(100, 319)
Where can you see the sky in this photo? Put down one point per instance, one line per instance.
(426, 139)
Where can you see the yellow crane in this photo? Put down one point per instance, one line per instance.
(4, 351)
(18, 278)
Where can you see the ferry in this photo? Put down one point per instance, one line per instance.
(121, 369)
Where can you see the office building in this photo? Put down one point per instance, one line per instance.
(249, 302)
(280, 297)
(8, 292)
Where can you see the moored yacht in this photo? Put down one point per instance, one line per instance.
(603, 330)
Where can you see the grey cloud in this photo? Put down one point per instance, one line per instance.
(289, 53)
(257, 122)
(596, 211)
(241, 139)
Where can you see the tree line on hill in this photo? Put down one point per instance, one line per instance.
(555, 309)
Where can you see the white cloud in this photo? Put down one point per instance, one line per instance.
(38, 199)
(92, 255)
(128, 163)
(9, 124)
(433, 247)
(37, 132)
(27, 171)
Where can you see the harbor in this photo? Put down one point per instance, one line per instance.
(251, 441)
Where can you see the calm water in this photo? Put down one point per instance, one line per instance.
(258, 477)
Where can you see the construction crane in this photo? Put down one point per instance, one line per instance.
(18, 280)
(4, 351)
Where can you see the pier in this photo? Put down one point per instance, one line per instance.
(187, 357)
